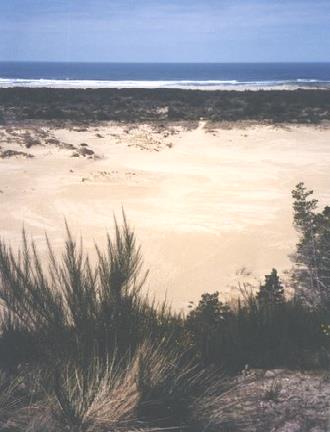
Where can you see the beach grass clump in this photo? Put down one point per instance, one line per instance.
(157, 389)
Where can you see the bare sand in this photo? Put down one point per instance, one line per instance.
(204, 203)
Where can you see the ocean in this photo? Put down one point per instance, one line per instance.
(165, 75)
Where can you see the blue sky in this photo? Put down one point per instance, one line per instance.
(165, 30)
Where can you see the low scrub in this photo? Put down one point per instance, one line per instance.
(256, 334)
(83, 349)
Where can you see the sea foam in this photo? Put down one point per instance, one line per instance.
(178, 84)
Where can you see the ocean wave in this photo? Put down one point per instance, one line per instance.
(173, 84)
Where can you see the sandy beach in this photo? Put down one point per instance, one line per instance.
(205, 201)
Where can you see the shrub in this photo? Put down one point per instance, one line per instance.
(311, 271)
(250, 333)
(101, 355)
(75, 310)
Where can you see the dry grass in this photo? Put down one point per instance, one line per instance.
(156, 390)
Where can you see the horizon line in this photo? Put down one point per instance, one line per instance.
(162, 62)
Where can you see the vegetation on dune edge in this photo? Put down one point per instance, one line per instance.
(83, 349)
(299, 106)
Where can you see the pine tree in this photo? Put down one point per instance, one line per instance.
(323, 251)
(305, 273)
(271, 292)
(205, 321)
(311, 272)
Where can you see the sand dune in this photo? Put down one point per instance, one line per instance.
(204, 202)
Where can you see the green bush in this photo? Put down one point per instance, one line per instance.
(256, 334)
(100, 355)
(70, 309)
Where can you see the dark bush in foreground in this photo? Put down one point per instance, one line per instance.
(87, 350)
(74, 310)
(82, 349)
(279, 335)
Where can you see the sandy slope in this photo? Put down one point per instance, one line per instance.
(204, 203)
(278, 401)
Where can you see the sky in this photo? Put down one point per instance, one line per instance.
(165, 30)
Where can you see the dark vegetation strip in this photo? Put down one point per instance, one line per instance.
(135, 105)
